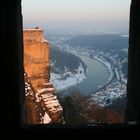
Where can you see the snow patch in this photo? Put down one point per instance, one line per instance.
(73, 79)
(124, 35)
(46, 119)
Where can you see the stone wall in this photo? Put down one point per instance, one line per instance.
(33, 34)
(41, 103)
(36, 57)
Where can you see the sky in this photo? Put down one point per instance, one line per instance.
(77, 15)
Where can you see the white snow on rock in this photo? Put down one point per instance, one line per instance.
(46, 119)
(73, 79)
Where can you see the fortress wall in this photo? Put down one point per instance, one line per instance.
(33, 34)
(37, 51)
(36, 57)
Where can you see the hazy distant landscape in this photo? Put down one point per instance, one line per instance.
(103, 42)
(89, 55)
(110, 51)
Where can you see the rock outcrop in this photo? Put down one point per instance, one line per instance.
(41, 103)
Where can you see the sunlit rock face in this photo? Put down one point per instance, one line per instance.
(36, 57)
(41, 103)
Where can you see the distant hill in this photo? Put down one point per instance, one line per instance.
(104, 42)
(63, 60)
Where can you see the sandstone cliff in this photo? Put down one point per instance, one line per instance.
(41, 103)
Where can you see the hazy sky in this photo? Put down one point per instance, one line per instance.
(76, 15)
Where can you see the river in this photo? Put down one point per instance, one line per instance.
(97, 76)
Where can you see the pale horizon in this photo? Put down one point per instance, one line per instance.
(77, 15)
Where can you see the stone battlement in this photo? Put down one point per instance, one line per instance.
(33, 34)
(40, 98)
(36, 56)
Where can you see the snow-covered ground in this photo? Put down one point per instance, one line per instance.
(114, 89)
(70, 80)
(46, 119)
(116, 85)
(111, 92)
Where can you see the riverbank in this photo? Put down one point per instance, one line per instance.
(86, 81)
(102, 91)
(68, 79)
(110, 68)
(114, 88)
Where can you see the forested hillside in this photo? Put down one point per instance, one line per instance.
(62, 60)
(103, 42)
